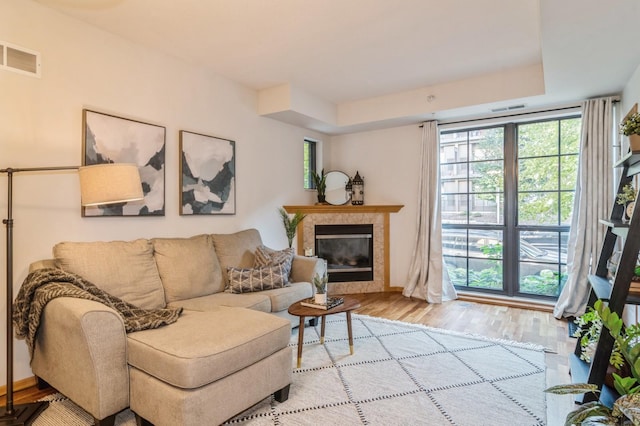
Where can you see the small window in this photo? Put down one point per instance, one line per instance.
(310, 158)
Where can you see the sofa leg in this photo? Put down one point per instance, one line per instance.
(107, 421)
(283, 394)
(142, 422)
(41, 384)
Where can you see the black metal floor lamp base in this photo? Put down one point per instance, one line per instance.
(23, 414)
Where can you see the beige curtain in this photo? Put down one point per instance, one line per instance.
(427, 279)
(593, 200)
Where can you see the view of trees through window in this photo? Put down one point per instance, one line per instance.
(506, 200)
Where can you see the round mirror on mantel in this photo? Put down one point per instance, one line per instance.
(336, 193)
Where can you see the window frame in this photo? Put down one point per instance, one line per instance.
(511, 230)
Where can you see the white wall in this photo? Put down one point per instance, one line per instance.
(83, 67)
(389, 162)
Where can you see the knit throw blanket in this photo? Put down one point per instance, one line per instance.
(46, 284)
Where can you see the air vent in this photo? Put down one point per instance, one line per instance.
(509, 108)
(20, 60)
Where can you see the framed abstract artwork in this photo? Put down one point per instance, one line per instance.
(110, 139)
(207, 175)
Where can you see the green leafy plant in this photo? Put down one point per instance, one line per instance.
(320, 283)
(290, 223)
(627, 407)
(631, 125)
(320, 182)
(628, 194)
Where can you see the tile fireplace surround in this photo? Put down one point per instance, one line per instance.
(378, 215)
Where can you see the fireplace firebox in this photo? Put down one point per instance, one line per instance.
(348, 250)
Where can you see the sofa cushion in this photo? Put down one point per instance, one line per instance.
(188, 267)
(236, 249)
(189, 354)
(255, 301)
(247, 280)
(125, 269)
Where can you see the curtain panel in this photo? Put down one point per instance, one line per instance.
(427, 280)
(593, 198)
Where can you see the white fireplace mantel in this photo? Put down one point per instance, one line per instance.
(378, 215)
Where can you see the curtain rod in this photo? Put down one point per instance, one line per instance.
(616, 99)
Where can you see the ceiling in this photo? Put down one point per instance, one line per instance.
(339, 66)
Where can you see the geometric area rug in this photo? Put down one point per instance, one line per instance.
(399, 374)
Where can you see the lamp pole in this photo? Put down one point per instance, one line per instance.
(23, 414)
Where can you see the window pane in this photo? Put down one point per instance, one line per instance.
(485, 244)
(454, 209)
(309, 163)
(568, 172)
(535, 139)
(570, 136)
(487, 176)
(487, 144)
(453, 147)
(566, 207)
(454, 173)
(457, 270)
(487, 209)
(541, 279)
(454, 242)
(538, 174)
(485, 274)
(538, 208)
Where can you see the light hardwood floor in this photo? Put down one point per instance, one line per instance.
(493, 321)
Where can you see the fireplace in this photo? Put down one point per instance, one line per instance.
(348, 250)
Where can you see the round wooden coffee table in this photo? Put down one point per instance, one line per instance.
(348, 305)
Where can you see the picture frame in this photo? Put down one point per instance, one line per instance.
(207, 175)
(111, 139)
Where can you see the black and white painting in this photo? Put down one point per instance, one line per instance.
(110, 139)
(207, 174)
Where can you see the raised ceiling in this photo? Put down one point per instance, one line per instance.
(347, 65)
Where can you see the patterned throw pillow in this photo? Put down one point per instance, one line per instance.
(246, 280)
(270, 257)
(264, 256)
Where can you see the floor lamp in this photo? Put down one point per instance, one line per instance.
(99, 184)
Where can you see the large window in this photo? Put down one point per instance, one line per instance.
(507, 194)
(309, 163)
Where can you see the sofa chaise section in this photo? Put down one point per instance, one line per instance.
(185, 372)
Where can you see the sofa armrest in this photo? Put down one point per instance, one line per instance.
(41, 264)
(304, 268)
(80, 350)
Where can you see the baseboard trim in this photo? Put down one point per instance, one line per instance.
(19, 385)
(511, 302)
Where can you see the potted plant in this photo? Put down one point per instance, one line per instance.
(630, 127)
(320, 182)
(627, 198)
(320, 283)
(291, 223)
(627, 407)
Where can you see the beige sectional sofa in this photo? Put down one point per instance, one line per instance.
(225, 353)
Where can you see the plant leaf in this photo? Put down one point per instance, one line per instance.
(589, 410)
(573, 388)
(629, 406)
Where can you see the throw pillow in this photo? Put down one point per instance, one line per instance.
(265, 256)
(247, 280)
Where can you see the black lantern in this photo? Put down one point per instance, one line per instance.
(348, 188)
(357, 190)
